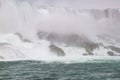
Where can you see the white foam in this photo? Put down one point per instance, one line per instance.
(15, 49)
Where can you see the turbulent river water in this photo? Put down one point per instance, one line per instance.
(36, 70)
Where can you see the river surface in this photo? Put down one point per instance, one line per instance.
(36, 70)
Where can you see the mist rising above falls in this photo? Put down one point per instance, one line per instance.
(20, 16)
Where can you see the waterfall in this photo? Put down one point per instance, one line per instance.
(30, 27)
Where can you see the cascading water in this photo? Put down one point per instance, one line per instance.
(28, 29)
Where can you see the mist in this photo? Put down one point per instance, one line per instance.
(65, 17)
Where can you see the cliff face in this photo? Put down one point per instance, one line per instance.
(68, 39)
(107, 42)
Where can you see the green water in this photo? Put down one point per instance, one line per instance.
(35, 70)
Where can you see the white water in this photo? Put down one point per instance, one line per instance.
(28, 18)
(15, 49)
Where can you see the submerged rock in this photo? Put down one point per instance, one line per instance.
(58, 51)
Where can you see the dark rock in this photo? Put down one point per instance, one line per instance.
(19, 35)
(110, 53)
(42, 34)
(58, 51)
(2, 44)
(1, 57)
(89, 52)
(116, 49)
(85, 54)
(90, 47)
(21, 38)
(76, 40)
(68, 39)
(26, 40)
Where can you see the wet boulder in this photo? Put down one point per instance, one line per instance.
(2, 44)
(116, 49)
(26, 40)
(22, 38)
(85, 54)
(1, 57)
(58, 51)
(42, 34)
(110, 53)
(89, 47)
(89, 51)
